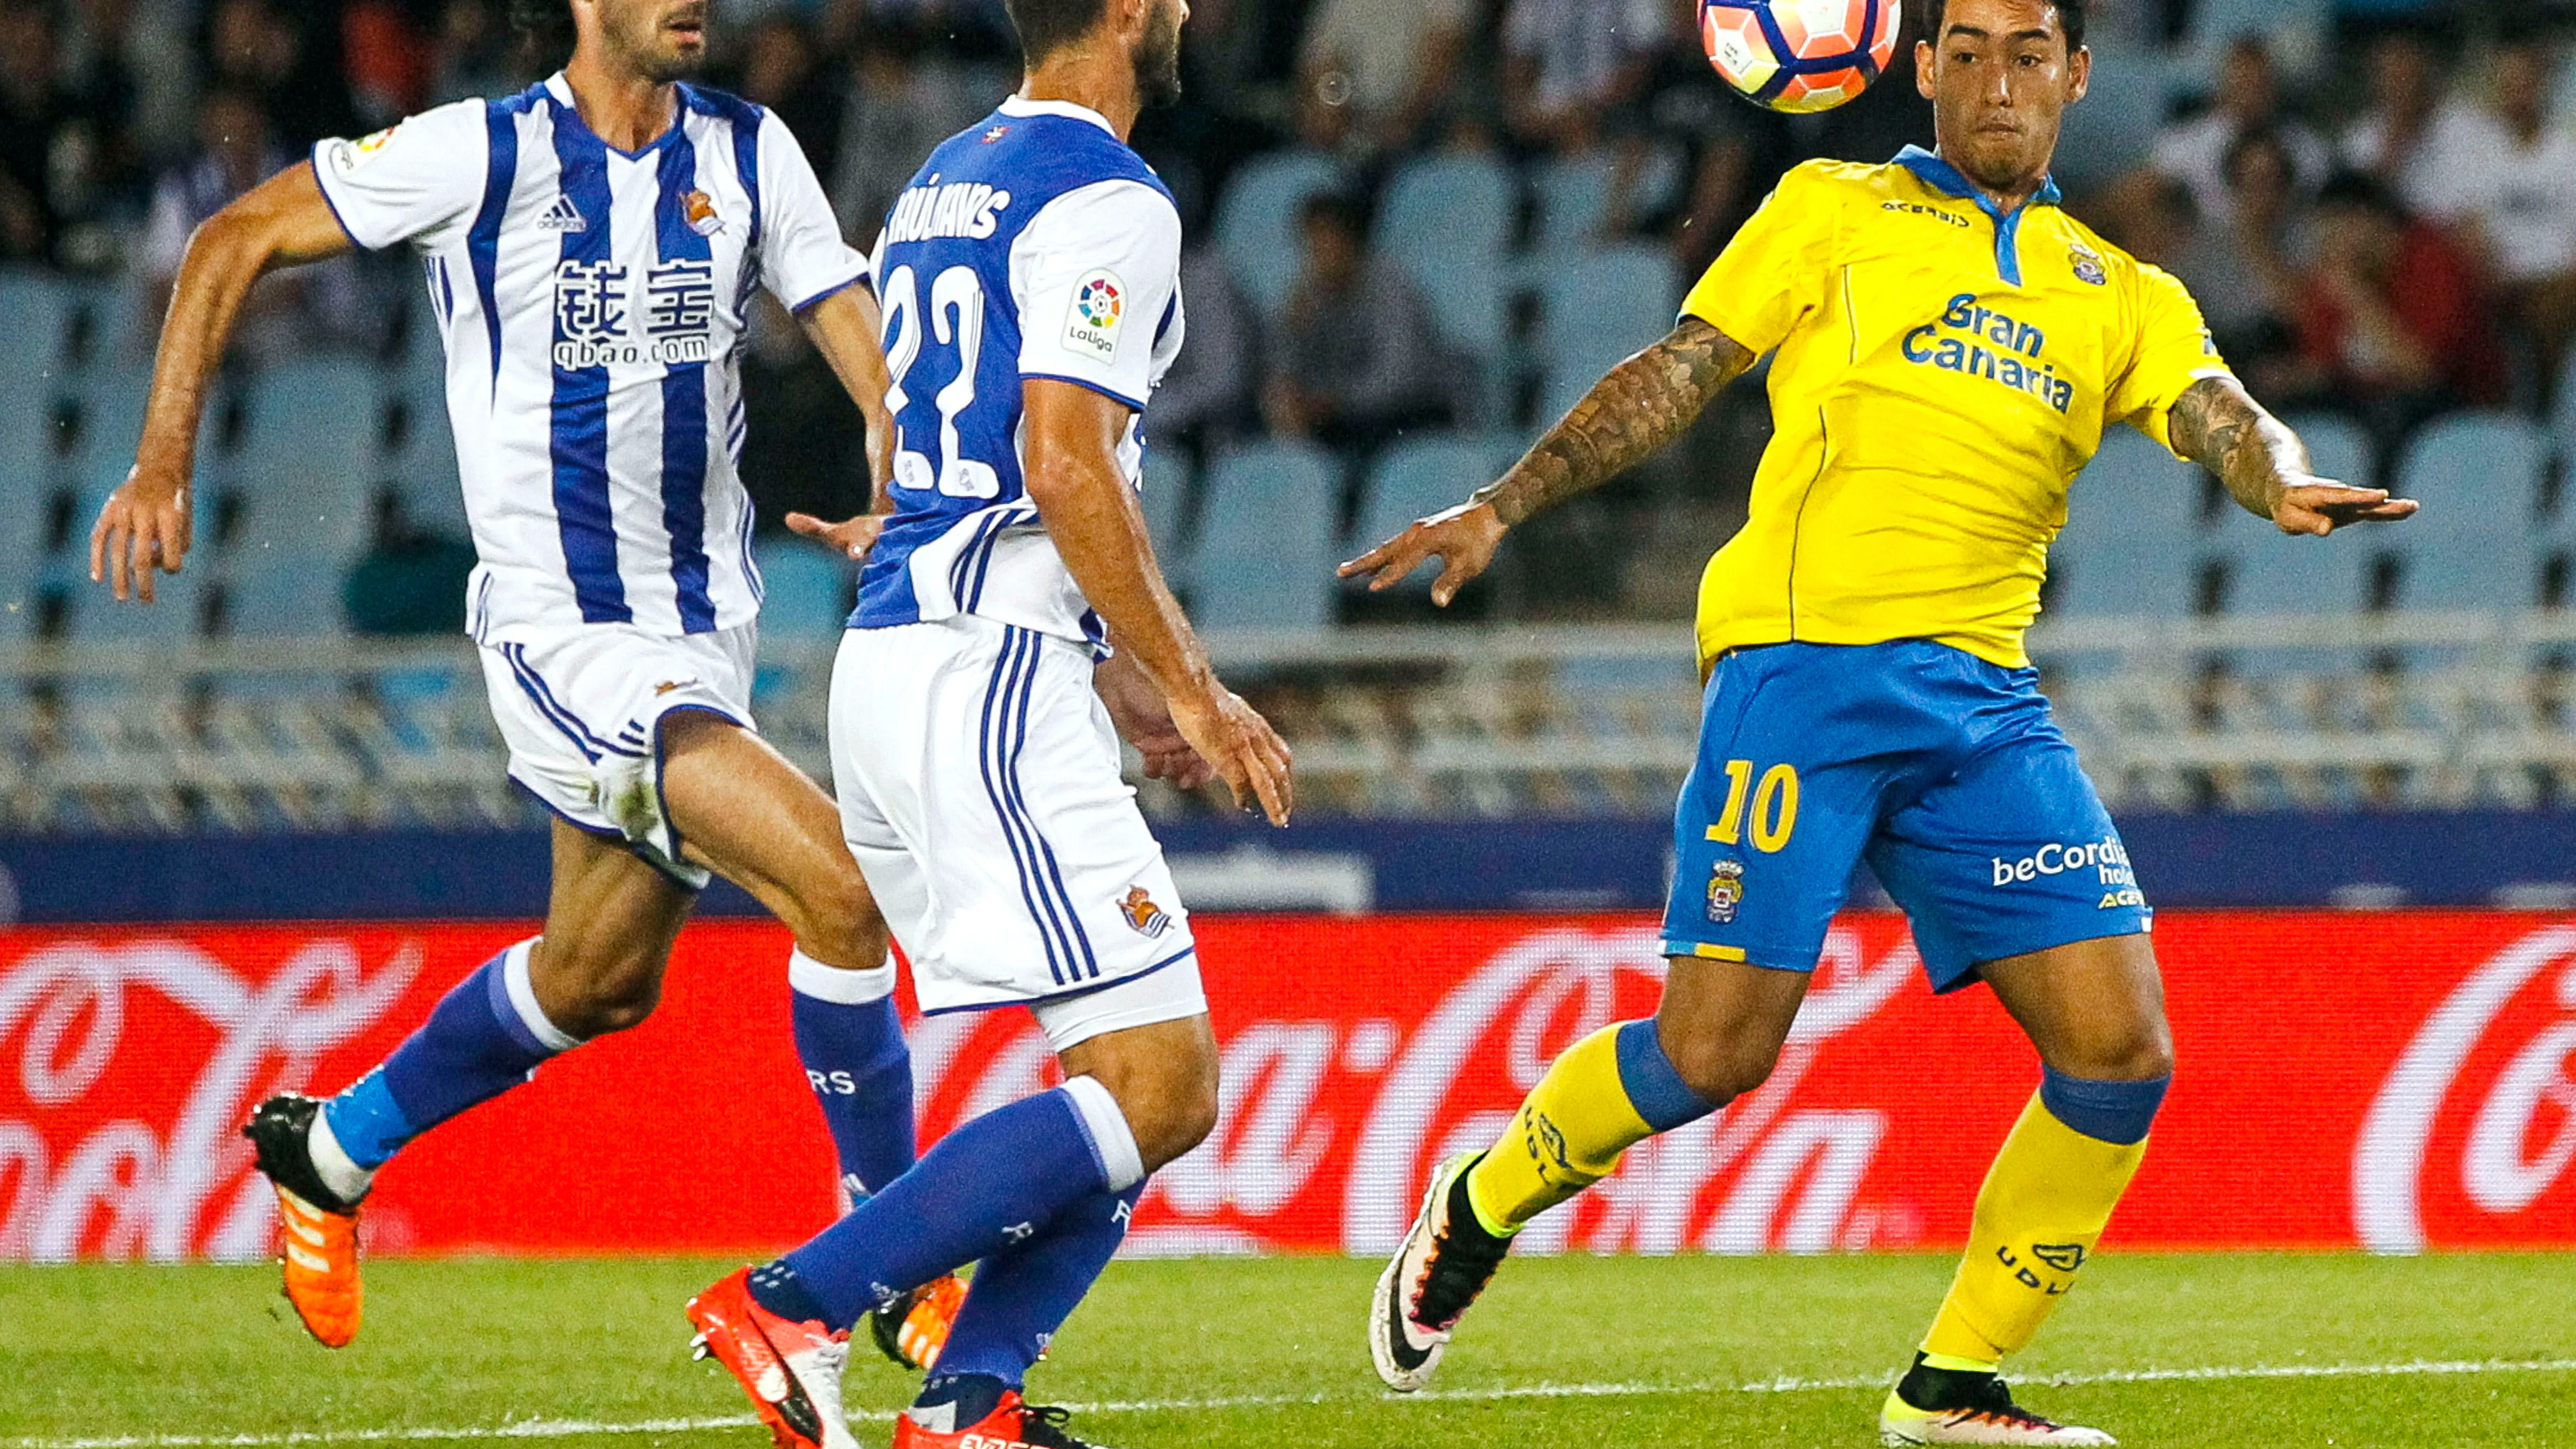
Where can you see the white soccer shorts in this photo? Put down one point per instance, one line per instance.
(581, 710)
(980, 790)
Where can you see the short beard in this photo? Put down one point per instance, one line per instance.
(1158, 61)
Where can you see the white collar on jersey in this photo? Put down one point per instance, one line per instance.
(1022, 106)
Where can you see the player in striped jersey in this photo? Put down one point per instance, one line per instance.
(590, 247)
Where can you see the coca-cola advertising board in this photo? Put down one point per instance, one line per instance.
(2394, 1082)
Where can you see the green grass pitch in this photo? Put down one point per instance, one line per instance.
(1176, 1355)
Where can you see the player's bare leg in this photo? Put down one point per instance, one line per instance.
(2095, 1010)
(745, 812)
(1715, 1037)
(610, 922)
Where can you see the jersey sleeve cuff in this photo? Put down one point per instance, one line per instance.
(1102, 388)
(860, 279)
(322, 183)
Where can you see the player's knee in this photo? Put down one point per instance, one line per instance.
(841, 924)
(1719, 1063)
(1169, 1101)
(593, 990)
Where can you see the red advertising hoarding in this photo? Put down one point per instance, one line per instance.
(2393, 1082)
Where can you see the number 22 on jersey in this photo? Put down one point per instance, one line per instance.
(955, 321)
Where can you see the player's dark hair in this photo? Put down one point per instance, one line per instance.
(546, 34)
(2070, 18)
(1047, 26)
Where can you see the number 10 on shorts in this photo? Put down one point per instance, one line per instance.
(1774, 807)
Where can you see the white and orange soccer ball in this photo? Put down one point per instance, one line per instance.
(1799, 55)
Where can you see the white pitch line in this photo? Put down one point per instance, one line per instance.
(576, 1428)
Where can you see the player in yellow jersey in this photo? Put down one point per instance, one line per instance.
(1949, 347)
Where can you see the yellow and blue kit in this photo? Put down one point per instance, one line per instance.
(1943, 370)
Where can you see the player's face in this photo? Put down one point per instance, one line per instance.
(2000, 77)
(1158, 59)
(660, 40)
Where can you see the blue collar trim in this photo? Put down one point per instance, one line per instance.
(1943, 177)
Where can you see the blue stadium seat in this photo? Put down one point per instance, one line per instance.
(1573, 194)
(1470, 301)
(111, 424)
(1421, 476)
(307, 469)
(280, 594)
(36, 310)
(1596, 307)
(2132, 529)
(421, 464)
(2215, 24)
(2478, 476)
(806, 592)
(27, 476)
(1265, 550)
(1256, 222)
(2110, 130)
(1168, 502)
(2563, 417)
(1444, 208)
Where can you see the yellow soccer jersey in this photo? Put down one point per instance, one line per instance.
(1943, 374)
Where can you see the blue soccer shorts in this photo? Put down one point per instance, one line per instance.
(1947, 773)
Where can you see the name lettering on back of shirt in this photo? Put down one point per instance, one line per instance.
(966, 209)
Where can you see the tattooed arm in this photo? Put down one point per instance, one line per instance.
(2264, 465)
(1644, 403)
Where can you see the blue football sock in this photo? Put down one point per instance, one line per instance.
(971, 1397)
(484, 1038)
(1023, 1294)
(851, 1042)
(991, 1183)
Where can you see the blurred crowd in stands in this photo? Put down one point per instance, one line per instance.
(2375, 201)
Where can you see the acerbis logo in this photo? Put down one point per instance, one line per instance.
(2106, 856)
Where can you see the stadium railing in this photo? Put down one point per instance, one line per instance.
(1400, 721)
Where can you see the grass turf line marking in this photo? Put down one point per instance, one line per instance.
(576, 1428)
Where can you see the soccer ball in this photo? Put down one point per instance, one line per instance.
(1799, 55)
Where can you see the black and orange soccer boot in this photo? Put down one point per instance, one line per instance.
(321, 1227)
(912, 1329)
(1445, 1262)
(792, 1371)
(1013, 1424)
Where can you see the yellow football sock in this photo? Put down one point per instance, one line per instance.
(1581, 1116)
(2044, 1205)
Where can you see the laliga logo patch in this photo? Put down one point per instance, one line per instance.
(702, 213)
(1091, 324)
(2088, 265)
(348, 156)
(1725, 891)
(1143, 916)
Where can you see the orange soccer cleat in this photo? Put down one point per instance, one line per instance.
(914, 1328)
(321, 1228)
(792, 1371)
(1013, 1424)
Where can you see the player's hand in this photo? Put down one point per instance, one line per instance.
(855, 537)
(1233, 737)
(2319, 506)
(1463, 539)
(145, 525)
(1143, 720)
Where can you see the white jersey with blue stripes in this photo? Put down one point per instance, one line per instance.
(1034, 244)
(592, 301)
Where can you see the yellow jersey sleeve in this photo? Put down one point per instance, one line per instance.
(2172, 351)
(1775, 270)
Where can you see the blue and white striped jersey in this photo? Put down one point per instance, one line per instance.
(592, 302)
(1033, 244)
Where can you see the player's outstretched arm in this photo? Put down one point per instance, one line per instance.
(1644, 403)
(1073, 476)
(283, 222)
(845, 327)
(2220, 426)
